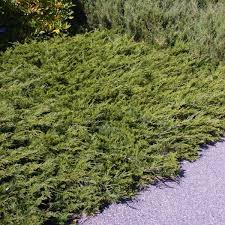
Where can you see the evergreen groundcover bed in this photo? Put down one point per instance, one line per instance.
(89, 120)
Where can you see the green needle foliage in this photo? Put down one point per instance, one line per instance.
(89, 120)
(163, 22)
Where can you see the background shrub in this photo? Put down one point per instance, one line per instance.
(29, 18)
(46, 16)
(164, 22)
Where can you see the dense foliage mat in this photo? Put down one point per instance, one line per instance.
(87, 121)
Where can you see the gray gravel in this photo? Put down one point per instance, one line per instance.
(198, 199)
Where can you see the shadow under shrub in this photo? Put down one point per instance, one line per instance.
(88, 120)
(13, 24)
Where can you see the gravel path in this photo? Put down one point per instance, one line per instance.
(198, 199)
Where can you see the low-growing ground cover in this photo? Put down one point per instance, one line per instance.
(87, 121)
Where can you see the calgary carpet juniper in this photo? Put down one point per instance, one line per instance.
(89, 120)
